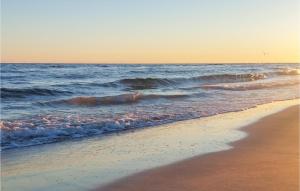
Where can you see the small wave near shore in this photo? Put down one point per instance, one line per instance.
(53, 103)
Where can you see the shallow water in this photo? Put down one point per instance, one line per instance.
(56, 102)
(86, 164)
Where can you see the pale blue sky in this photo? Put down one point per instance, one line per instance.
(149, 30)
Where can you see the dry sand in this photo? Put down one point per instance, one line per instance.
(267, 160)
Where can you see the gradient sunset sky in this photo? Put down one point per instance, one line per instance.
(150, 31)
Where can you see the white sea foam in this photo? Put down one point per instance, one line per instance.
(82, 165)
(252, 86)
(42, 104)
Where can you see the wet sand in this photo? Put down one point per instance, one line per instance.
(268, 159)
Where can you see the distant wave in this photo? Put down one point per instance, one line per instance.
(151, 83)
(25, 92)
(113, 100)
(73, 104)
(251, 86)
(288, 71)
(148, 83)
(225, 78)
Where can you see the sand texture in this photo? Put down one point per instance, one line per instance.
(267, 160)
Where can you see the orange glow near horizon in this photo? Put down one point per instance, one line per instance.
(191, 32)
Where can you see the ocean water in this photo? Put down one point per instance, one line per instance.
(45, 103)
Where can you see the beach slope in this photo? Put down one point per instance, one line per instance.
(268, 159)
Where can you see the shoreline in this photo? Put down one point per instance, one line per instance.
(81, 164)
(133, 130)
(267, 159)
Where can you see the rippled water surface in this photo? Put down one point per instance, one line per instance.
(54, 102)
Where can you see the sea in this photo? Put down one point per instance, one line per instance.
(47, 103)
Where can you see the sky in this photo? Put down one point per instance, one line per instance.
(150, 31)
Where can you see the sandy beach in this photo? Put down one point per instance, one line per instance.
(266, 160)
(149, 95)
(124, 161)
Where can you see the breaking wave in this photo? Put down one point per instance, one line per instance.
(288, 71)
(48, 129)
(113, 100)
(251, 86)
(71, 102)
(152, 83)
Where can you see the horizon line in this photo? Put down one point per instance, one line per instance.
(145, 63)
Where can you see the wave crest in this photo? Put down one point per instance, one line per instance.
(147, 83)
(251, 86)
(113, 100)
(225, 78)
(289, 71)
